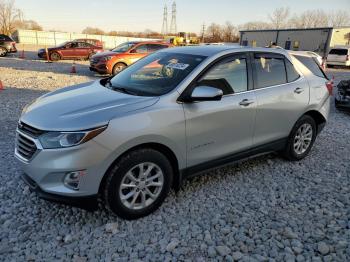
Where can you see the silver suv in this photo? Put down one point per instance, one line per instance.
(129, 139)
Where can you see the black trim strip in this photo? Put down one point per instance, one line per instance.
(274, 146)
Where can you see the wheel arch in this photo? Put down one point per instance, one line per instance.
(319, 119)
(156, 146)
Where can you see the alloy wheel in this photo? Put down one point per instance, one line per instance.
(141, 186)
(303, 138)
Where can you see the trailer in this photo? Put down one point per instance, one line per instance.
(318, 40)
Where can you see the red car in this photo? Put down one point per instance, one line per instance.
(94, 42)
(71, 50)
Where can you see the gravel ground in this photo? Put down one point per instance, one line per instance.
(264, 209)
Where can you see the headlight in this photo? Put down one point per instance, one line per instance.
(51, 140)
(107, 58)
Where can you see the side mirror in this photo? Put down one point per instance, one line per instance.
(206, 93)
(132, 51)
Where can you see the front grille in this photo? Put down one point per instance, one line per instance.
(31, 131)
(25, 147)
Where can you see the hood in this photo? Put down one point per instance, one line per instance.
(81, 107)
(105, 53)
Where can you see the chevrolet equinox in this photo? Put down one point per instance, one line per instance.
(130, 138)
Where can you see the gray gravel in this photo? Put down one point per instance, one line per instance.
(265, 209)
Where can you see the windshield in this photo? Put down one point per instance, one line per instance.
(123, 47)
(156, 74)
(63, 44)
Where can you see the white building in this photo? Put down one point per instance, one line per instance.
(318, 40)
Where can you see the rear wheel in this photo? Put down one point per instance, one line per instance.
(138, 183)
(3, 52)
(55, 56)
(118, 67)
(301, 139)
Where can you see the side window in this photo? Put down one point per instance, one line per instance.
(292, 74)
(142, 49)
(155, 47)
(229, 75)
(270, 70)
(310, 63)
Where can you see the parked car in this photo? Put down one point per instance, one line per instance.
(342, 97)
(339, 56)
(130, 138)
(117, 59)
(7, 45)
(94, 42)
(70, 50)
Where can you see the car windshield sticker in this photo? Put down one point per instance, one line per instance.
(179, 66)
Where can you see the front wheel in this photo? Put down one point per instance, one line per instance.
(118, 67)
(55, 56)
(301, 139)
(138, 183)
(3, 52)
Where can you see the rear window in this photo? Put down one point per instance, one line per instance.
(338, 51)
(310, 63)
(270, 71)
(292, 74)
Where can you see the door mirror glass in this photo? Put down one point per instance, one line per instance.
(206, 93)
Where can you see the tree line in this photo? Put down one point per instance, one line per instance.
(278, 19)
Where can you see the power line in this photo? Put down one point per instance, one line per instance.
(173, 25)
(165, 21)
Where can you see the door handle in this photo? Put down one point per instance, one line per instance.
(298, 90)
(246, 102)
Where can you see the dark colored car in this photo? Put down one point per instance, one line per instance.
(342, 97)
(94, 42)
(7, 45)
(117, 59)
(71, 50)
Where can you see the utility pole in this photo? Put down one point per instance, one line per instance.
(165, 21)
(173, 25)
(203, 32)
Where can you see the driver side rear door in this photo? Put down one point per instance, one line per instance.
(216, 130)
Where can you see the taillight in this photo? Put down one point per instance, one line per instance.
(13, 44)
(348, 58)
(330, 85)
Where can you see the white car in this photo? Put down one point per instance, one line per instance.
(339, 56)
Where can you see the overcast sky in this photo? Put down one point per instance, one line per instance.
(138, 15)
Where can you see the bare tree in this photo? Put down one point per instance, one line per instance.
(255, 25)
(8, 15)
(339, 18)
(309, 18)
(27, 24)
(229, 32)
(214, 33)
(279, 17)
(93, 31)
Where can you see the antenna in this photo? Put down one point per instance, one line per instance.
(173, 25)
(165, 21)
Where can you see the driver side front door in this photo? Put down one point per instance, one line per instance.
(218, 129)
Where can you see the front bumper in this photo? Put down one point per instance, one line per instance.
(48, 167)
(101, 68)
(342, 104)
(87, 202)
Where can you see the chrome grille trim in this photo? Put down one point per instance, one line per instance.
(26, 146)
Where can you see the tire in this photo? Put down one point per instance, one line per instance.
(118, 67)
(3, 52)
(54, 56)
(295, 151)
(127, 172)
